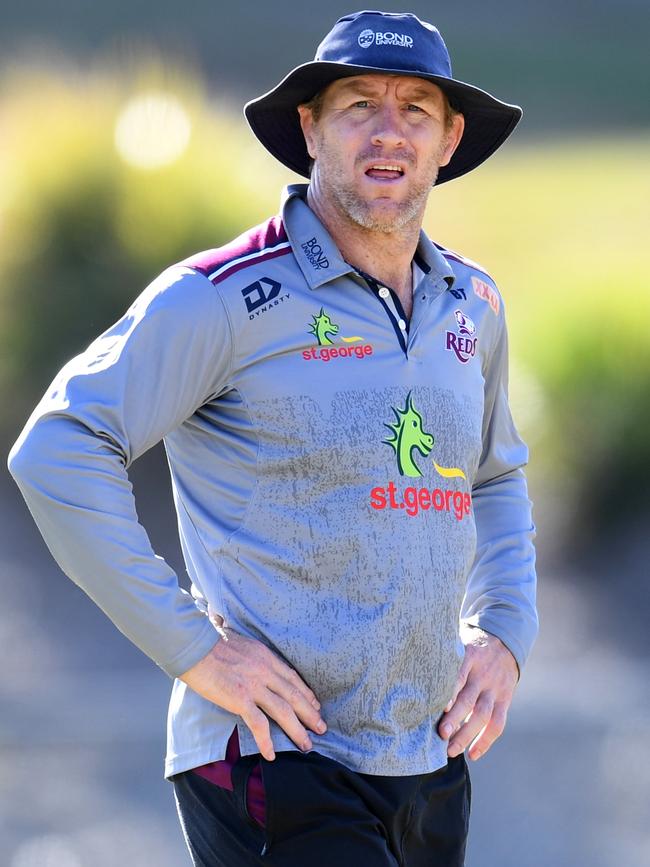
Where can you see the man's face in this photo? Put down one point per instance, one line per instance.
(377, 146)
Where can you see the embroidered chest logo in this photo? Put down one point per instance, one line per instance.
(408, 439)
(262, 295)
(462, 343)
(315, 255)
(323, 330)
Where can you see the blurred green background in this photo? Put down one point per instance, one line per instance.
(123, 149)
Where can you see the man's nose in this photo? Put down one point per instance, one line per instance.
(389, 127)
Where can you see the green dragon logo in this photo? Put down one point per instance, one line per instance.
(407, 434)
(321, 327)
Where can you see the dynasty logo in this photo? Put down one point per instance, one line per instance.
(463, 343)
(262, 295)
(323, 330)
(408, 437)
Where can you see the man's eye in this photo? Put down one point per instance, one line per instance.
(412, 107)
(362, 103)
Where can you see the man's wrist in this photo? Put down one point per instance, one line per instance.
(476, 636)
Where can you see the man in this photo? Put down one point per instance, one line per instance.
(331, 389)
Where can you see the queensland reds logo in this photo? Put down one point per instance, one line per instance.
(465, 324)
(462, 344)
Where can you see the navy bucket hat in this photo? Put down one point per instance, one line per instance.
(384, 42)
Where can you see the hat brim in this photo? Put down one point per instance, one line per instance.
(274, 118)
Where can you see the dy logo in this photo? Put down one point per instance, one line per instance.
(256, 295)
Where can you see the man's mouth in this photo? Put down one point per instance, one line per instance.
(384, 171)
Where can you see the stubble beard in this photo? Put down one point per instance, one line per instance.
(366, 214)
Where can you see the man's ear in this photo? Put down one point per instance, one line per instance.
(307, 125)
(453, 137)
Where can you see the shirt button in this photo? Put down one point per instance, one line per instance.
(383, 292)
(402, 324)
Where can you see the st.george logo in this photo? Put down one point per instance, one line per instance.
(323, 330)
(322, 327)
(409, 435)
(408, 439)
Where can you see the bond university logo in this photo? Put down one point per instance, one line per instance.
(367, 37)
(409, 440)
(462, 342)
(323, 329)
(262, 295)
(315, 255)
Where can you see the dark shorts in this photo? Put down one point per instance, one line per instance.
(320, 813)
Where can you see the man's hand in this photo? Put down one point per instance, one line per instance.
(482, 695)
(243, 676)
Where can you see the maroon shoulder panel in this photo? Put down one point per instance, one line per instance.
(258, 244)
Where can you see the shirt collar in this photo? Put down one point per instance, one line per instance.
(319, 258)
(313, 246)
(437, 271)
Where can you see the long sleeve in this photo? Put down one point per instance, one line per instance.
(500, 595)
(146, 375)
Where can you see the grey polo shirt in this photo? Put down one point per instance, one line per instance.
(347, 485)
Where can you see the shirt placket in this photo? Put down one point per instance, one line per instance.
(389, 300)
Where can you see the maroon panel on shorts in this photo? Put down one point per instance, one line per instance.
(220, 773)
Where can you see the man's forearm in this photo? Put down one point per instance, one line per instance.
(501, 588)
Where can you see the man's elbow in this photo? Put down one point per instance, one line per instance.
(28, 456)
(42, 448)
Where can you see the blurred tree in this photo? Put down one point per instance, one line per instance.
(84, 230)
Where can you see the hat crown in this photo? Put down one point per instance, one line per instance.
(386, 40)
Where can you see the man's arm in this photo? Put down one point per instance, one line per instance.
(107, 406)
(167, 356)
(498, 616)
